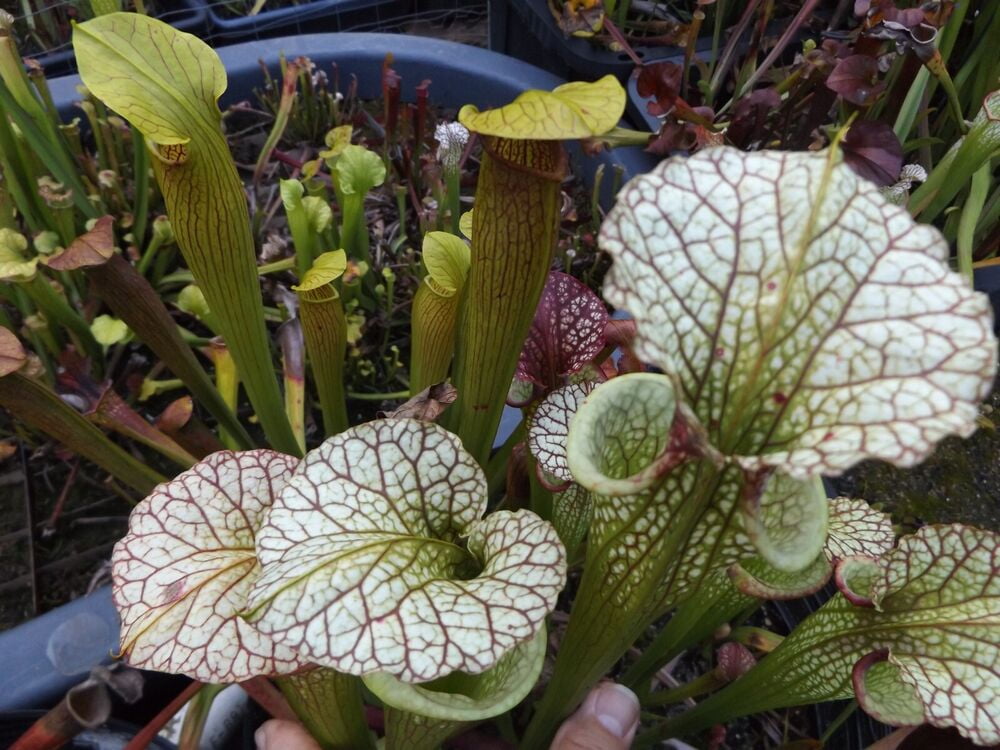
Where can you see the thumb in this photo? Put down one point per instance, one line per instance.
(607, 720)
(280, 734)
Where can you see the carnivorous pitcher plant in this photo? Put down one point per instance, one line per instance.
(785, 321)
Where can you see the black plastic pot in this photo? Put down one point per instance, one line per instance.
(525, 29)
(186, 15)
(42, 658)
(318, 15)
(459, 75)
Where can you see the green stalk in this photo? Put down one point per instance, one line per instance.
(384, 396)
(695, 620)
(971, 211)
(41, 408)
(132, 299)
(280, 120)
(227, 382)
(293, 364)
(47, 146)
(21, 188)
(7, 205)
(354, 231)
(432, 335)
(453, 187)
(57, 310)
(760, 639)
(303, 237)
(957, 168)
(199, 182)
(208, 213)
(155, 242)
(613, 608)
(408, 731)
(513, 237)
(325, 329)
(12, 70)
(329, 704)
(703, 683)
(196, 715)
(277, 266)
(758, 690)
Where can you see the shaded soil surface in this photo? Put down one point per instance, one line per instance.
(62, 560)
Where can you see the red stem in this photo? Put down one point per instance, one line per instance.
(50, 525)
(616, 34)
(145, 735)
(268, 697)
(790, 31)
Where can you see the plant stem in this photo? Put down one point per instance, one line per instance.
(432, 335)
(696, 619)
(288, 89)
(227, 382)
(971, 211)
(285, 264)
(40, 407)
(208, 213)
(197, 714)
(57, 310)
(513, 237)
(132, 299)
(408, 731)
(329, 704)
(834, 725)
(612, 609)
(760, 639)
(704, 683)
(293, 362)
(268, 697)
(390, 396)
(452, 175)
(145, 736)
(325, 330)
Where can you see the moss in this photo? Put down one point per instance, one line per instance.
(960, 482)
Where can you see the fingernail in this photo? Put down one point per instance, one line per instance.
(617, 708)
(260, 739)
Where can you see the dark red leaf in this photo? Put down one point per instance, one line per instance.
(856, 79)
(750, 115)
(873, 151)
(660, 82)
(566, 334)
(673, 137)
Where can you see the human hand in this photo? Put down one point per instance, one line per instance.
(607, 720)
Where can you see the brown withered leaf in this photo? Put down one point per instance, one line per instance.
(427, 405)
(92, 248)
(873, 151)
(12, 354)
(878, 11)
(175, 416)
(856, 79)
(580, 19)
